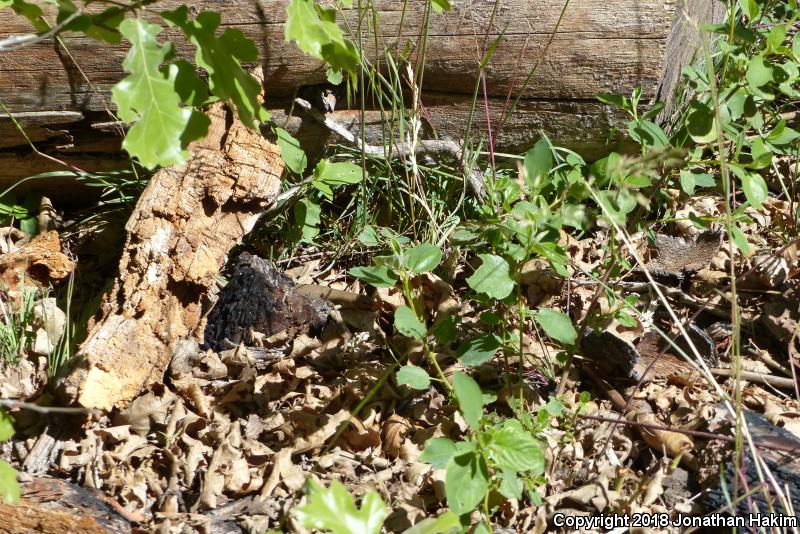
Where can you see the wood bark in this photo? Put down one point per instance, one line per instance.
(52, 506)
(178, 237)
(601, 46)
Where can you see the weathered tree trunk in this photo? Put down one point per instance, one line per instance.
(179, 235)
(601, 46)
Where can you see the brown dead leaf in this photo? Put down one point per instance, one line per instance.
(394, 430)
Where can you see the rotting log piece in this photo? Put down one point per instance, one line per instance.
(52, 506)
(178, 238)
(600, 46)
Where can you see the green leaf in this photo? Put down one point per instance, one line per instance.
(414, 377)
(29, 225)
(32, 12)
(470, 399)
(6, 426)
(101, 26)
(148, 100)
(538, 163)
(648, 134)
(423, 258)
(558, 326)
(335, 174)
(701, 123)
(492, 277)
(9, 488)
(796, 45)
(654, 111)
(755, 189)
(334, 77)
(758, 75)
(291, 153)
(510, 485)
(378, 275)
(466, 482)
(192, 90)
(782, 134)
(478, 350)
(307, 217)
(441, 5)
(776, 37)
(314, 30)
(438, 452)
(221, 57)
(369, 237)
(439, 525)
(691, 179)
(619, 101)
(333, 509)
(554, 407)
(445, 330)
(514, 449)
(762, 155)
(407, 323)
(739, 239)
(749, 8)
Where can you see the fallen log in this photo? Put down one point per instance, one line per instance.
(178, 238)
(600, 46)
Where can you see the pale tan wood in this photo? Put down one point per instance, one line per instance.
(178, 238)
(600, 46)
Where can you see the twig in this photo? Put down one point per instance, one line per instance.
(15, 405)
(695, 433)
(16, 42)
(752, 376)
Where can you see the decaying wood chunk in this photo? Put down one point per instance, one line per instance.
(260, 299)
(52, 506)
(178, 237)
(39, 262)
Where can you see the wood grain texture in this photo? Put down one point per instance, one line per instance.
(600, 46)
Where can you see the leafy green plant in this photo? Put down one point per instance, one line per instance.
(333, 509)
(16, 319)
(9, 488)
(12, 210)
(498, 455)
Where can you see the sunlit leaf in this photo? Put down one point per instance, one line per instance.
(334, 510)
(291, 152)
(147, 99)
(221, 57)
(470, 399)
(9, 487)
(492, 278)
(413, 376)
(558, 326)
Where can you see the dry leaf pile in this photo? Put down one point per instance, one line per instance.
(229, 439)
